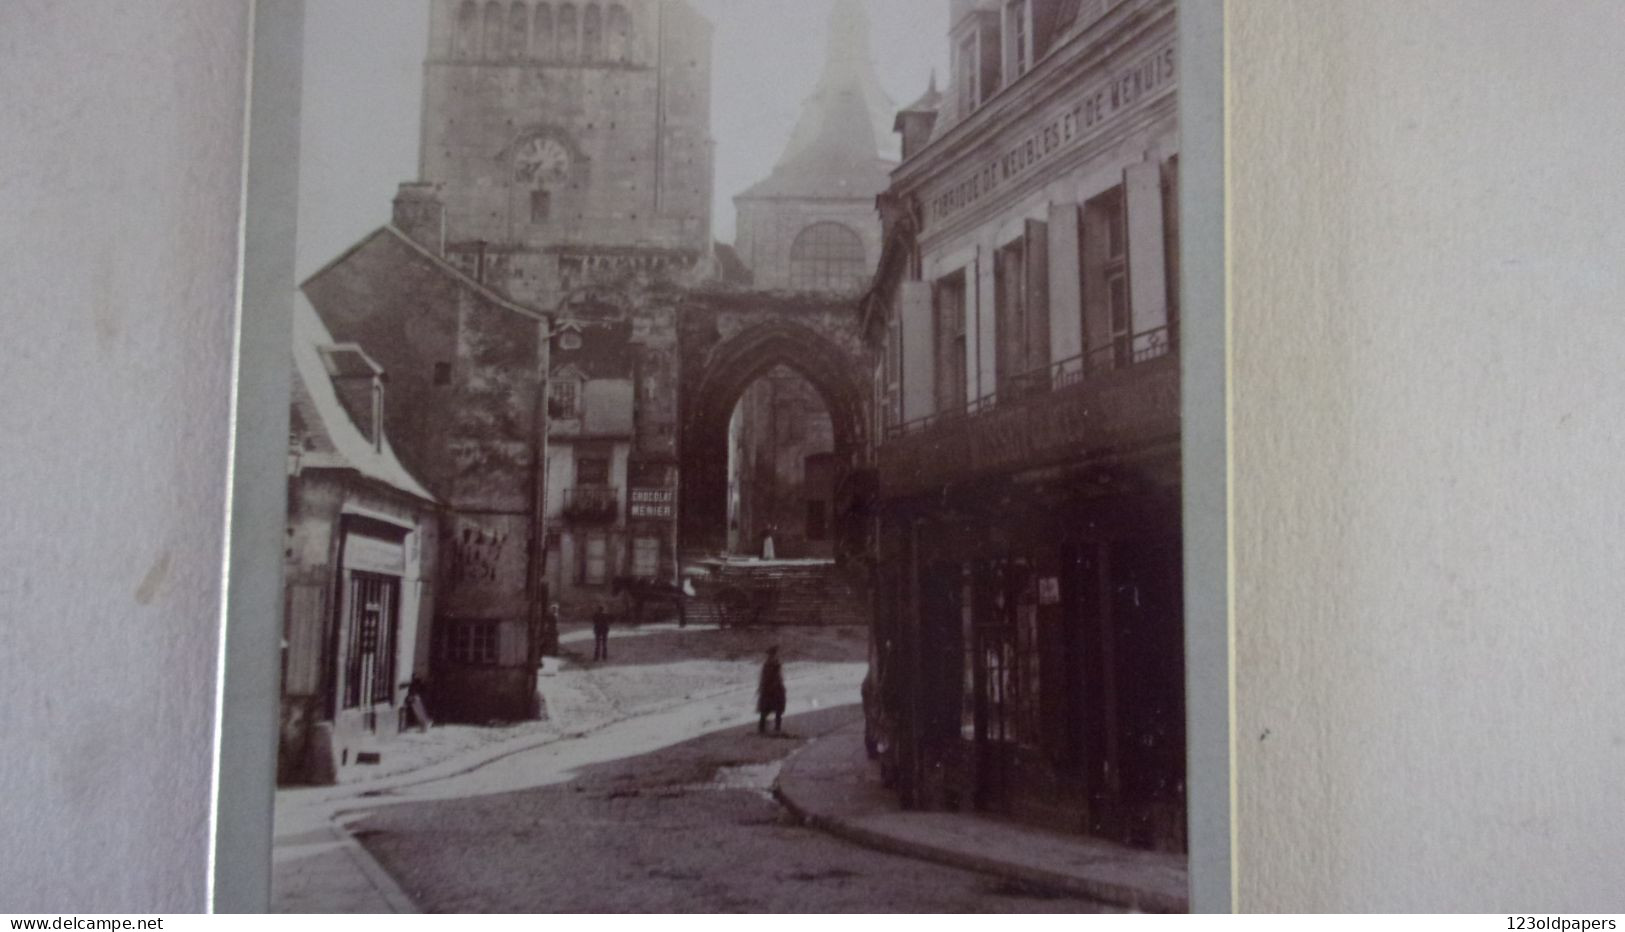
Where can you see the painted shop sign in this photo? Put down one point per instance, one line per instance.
(1141, 408)
(651, 503)
(1084, 117)
(374, 555)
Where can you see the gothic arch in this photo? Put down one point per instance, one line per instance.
(709, 400)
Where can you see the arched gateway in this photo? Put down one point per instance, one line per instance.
(726, 343)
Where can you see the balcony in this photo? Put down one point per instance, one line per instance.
(592, 504)
(1112, 400)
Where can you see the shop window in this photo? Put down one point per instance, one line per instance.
(827, 257)
(472, 642)
(370, 623)
(1003, 660)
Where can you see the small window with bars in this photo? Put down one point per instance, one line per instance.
(370, 633)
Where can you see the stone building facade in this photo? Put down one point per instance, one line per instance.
(569, 141)
(809, 227)
(468, 378)
(1029, 624)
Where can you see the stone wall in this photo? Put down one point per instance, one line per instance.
(549, 164)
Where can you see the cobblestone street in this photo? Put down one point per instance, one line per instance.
(646, 790)
(691, 827)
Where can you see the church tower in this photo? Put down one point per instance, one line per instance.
(568, 142)
(811, 224)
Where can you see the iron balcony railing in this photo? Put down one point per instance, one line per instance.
(1122, 353)
(592, 503)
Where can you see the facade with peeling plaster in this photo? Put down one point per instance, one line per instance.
(467, 378)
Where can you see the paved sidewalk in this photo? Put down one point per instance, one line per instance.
(831, 784)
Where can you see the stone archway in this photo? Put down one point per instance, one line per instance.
(822, 348)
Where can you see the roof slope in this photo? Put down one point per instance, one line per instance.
(842, 145)
(331, 438)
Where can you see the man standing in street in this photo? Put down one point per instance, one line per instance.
(600, 633)
(770, 696)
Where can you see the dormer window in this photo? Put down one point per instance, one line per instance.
(978, 63)
(965, 74)
(1017, 38)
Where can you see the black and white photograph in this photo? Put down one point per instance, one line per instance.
(762, 461)
(734, 460)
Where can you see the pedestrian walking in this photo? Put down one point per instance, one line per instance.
(770, 697)
(600, 633)
(550, 632)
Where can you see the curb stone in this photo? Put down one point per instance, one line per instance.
(1102, 891)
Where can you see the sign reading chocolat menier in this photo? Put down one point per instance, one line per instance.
(652, 503)
(1084, 116)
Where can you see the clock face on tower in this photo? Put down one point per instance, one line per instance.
(543, 160)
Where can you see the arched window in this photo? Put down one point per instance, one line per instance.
(466, 42)
(518, 29)
(492, 46)
(541, 44)
(620, 33)
(827, 257)
(592, 34)
(569, 39)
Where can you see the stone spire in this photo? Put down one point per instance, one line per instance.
(847, 89)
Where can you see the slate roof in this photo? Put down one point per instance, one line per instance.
(331, 440)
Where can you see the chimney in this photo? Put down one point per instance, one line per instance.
(916, 121)
(359, 384)
(420, 214)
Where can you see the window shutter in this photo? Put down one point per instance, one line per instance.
(1037, 255)
(919, 368)
(1148, 291)
(1065, 284)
